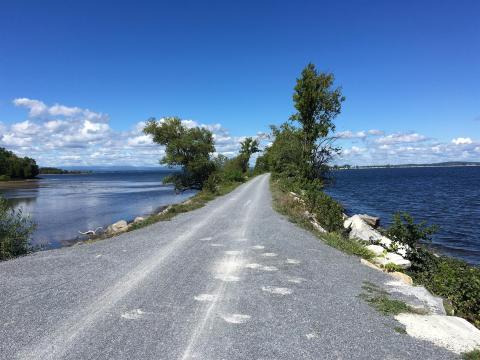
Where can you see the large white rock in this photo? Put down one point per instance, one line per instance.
(376, 249)
(392, 258)
(453, 333)
(359, 229)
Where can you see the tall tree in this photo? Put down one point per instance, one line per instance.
(248, 147)
(189, 148)
(317, 104)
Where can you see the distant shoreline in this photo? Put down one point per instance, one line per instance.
(404, 166)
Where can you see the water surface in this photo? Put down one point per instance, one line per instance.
(446, 196)
(63, 205)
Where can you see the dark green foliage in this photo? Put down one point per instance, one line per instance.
(233, 169)
(329, 212)
(454, 280)
(317, 104)
(15, 231)
(450, 278)
(14, 167)
(472, 355)
(284, 156)
(406, 231)
(190, 148)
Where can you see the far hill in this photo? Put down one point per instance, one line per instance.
(440, 164)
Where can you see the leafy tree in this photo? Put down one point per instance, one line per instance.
(189, 148)
(317, 104)
(248, 147)
(15, 231)
(14, 167)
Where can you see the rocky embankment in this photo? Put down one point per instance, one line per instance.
(429, 319)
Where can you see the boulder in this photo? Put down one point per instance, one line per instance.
(376, 249)
(407, 280)
(138, 219)
(373, 221)
(392, 258)
(359, 229)
(450, 332)
(119, 226)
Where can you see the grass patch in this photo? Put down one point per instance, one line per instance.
(472, 355)
(379, 299)
(400, 330)
(287, 205)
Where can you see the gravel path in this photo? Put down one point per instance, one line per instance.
(232, 280)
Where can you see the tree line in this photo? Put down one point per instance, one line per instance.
(15, 167)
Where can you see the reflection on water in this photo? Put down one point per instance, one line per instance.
(63, 205)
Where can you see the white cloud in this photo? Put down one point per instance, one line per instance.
(401, 138)
(62, 135)
(462, 141)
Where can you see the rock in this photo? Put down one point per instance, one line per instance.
(376, 249)
(453, 333)
(138, 219)
(359, 229)
(119, 226)
(164, 211)
(369, 264)
(373, 221)
(416, 296)
(407, 280)
(392, 258)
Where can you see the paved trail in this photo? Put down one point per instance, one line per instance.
(233, 280)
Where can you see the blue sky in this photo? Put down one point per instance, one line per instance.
(78, 78)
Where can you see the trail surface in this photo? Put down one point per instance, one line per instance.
(232, 280)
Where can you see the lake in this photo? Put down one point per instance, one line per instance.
(63, 205)
(446, 196)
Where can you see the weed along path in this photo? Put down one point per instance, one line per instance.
(231, 280)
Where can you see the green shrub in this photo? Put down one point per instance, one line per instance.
(329, 212)
(15, 231)
(211, 184)
(454, 280)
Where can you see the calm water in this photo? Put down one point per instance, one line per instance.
(62, 205)
(448, 197)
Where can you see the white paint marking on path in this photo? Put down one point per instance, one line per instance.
(258, 247)
(311, 336)
(217, 245)
(296, 280)
(133, 315)
(236, 318)
(277, 290)
(208, 238)
(205, 297)
(233, 252)
(293, 261)
(269, 254)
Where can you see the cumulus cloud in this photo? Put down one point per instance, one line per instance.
(401, 148)
(462, 141)
(62, 135)
(401, 138)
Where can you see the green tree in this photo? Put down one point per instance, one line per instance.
(317, 104)
(189, 148)
(14, 167)
(248, 147)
